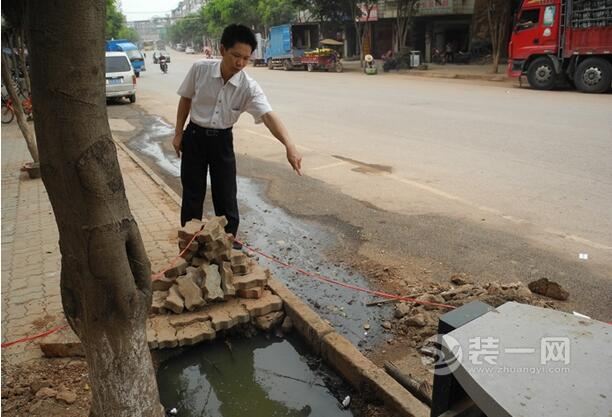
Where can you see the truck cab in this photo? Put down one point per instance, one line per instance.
(562, 39)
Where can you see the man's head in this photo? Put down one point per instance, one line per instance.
(237, 44)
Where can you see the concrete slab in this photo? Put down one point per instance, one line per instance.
(528, 361)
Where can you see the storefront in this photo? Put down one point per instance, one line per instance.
(442, 23)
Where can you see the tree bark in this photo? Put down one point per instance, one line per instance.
(22, 121)
(105, 279)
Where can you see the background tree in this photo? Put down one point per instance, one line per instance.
(498, 16)
(361, 13)
(275, 12)
(116, 23)
(105, 278)
(13, 66)
(405, 11)
(215, 15)
(22, 121)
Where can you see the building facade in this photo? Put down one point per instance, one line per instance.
(153, 29)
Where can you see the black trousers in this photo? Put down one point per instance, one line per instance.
(204, 149)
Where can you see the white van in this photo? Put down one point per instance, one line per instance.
(120, 77)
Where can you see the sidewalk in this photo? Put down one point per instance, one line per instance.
(31, 302)
(463, 72)
(451, 71)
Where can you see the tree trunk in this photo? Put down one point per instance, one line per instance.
(105, 279)
(22, 61)
(22, 121)
(498, 14)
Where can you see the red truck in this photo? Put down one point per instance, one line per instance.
(556, 39)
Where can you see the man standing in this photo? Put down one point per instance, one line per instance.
(214, 94)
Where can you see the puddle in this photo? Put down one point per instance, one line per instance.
(256, 378)
(366, 168)
(149, 142)
(273, 231)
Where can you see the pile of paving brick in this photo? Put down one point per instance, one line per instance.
(211, 288)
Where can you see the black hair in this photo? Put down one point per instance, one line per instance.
(238, 33)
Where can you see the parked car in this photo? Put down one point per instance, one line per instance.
(157, 54)
(189, 50)
(180, 47)
(120, 77)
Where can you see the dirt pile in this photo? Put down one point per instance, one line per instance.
(50, 388)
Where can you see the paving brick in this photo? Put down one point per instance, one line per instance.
(159, 299)
(195, 333)
(264, 305)
(258, 277)
(227, 279)
(162, 284)
(191, 292)
(174, 301)
(227, 315)
(165, 334)
(211, 286)
(179, 268)
(185, 319)
(250, 293)
(190, 229)
(269, 321)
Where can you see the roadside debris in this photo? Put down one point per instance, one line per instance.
(549, 289)
(346, 402)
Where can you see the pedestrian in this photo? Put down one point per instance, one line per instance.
(214, 94)
(449, 56)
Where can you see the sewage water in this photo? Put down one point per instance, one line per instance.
(253, 377)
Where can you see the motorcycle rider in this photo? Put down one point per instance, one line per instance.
(163, 65)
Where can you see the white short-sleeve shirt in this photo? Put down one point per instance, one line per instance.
(217, 105)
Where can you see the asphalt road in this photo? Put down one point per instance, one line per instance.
(447, 176)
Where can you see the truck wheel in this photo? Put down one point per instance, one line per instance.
(287, 65)
(593, 75)
(132, 98)
(541, 74)
(270, 64)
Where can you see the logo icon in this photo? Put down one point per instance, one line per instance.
(442, 360)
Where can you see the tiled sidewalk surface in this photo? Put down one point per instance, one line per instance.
(31, 301)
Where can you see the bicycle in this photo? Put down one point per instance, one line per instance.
(8, 110)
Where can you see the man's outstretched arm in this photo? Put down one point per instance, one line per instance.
(278, 129)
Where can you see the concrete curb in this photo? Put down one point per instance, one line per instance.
(334, 348)
(345, 358)
(457, 76)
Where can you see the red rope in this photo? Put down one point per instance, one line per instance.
(173, 261)
(29, 338)
(273, 259)
(344, 284)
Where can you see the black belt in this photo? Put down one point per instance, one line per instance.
(208, 131)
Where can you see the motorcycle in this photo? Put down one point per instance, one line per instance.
(163, 65)
(438, 57)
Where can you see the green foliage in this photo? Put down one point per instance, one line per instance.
(332, 10)
(116, 24)
(189, 29)
(276, 12)
(128, 33)
(217, 14)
